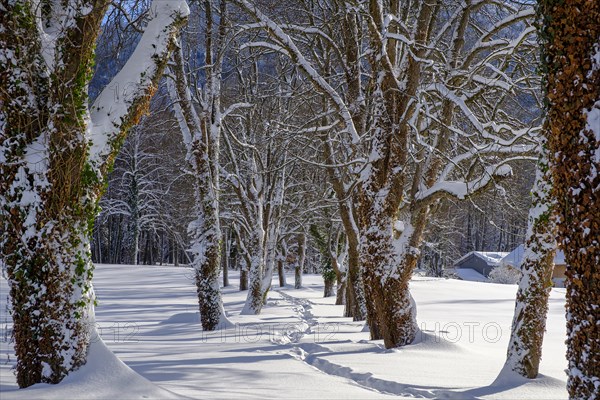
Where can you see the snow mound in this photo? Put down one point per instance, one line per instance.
(194, 318)
(510, 385)
(225, 323)
(183, 318)
(104, 376)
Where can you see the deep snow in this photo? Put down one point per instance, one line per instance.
(299, 347)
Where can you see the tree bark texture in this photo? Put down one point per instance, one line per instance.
(201, 135)
(531, 306)
(298, 270)
(53, 167)
(570, 34)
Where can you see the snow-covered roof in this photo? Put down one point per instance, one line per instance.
(491, 257)
(515, 257)
(469, 274)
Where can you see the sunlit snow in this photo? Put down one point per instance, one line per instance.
(299, 347)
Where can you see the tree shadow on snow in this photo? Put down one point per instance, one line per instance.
(506, 381)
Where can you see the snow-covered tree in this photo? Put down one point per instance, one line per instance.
(55, 152)
(343, 182)
(260, 190)
(257, 173)
(282, 251)
(332, 244)
(139, 194)
(146, 204)
(423, 97)
(300, 260)
(228, 254)
(570, 35)
(201, 135)
(531, 307)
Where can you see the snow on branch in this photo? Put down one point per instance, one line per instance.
(519, 150)
(463, 189)
(124, 99)
(183, 108)
(510, 20)
(235, 107)
(266, 45)
(497, 48)
(296, 55)
(488, 130)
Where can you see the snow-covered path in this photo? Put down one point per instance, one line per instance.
(300, 347)
(248, 360)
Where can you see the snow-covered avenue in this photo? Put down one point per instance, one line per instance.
(298, 347)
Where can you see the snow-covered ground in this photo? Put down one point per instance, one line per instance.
(299, 347)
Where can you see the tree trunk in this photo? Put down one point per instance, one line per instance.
(571, 54)
(355, 295)
(175, 253)
(531, 307)
(226, 257)
(136, 245)
(355, 300)
(389, 257)
(258, 290)
(134, 206)
(281, 272)
(225, 272)
(54, 166)
(340, 276)
(329, 288)
(259, 277)
(207, 263)
(297, 277)
(281, 258)
(161, 251)
(340, 298)
(209, 294)
(247, 262)
(147, 255)
(243, 278)
(118, 243)
(300, 264)
(201, 136)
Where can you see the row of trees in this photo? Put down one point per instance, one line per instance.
(259, 137)
(350, 125)
(420, 102)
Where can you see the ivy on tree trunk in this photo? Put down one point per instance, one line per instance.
(55, 152)
(570, 35)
